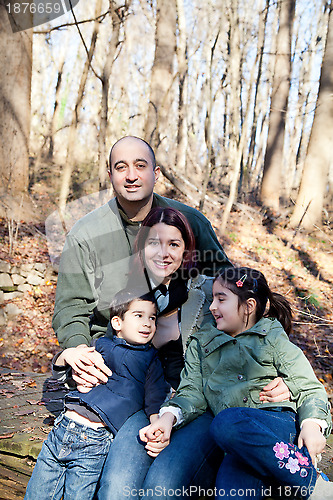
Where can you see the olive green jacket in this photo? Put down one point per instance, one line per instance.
(95, 262)
(223, 371)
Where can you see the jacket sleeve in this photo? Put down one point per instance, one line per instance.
(76, 295)
(189, 396)
(309, 394)
(156, 387)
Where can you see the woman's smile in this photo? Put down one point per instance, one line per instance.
(164, 251)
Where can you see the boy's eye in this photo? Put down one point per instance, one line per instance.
(153, 318)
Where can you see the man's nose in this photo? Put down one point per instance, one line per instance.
(132, 174)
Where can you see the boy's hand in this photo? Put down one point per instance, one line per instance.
(312, 437)
(157, 434)
(275, 392)
(87, 364)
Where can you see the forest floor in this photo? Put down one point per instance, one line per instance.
(299, 266)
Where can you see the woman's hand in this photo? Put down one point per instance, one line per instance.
(157, 434)
(275, 392)
(88, 367)
(312, 437)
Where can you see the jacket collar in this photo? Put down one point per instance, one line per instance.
(209, 332)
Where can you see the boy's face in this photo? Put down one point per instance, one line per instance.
(139, 323)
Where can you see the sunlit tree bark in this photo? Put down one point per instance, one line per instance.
(310, 199)
(271, 182)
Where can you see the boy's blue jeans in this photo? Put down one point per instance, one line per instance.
(70, 462)
(261, 457)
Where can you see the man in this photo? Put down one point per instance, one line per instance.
(97, 252)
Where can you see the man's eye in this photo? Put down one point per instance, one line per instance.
(120, 168)
(141, 165)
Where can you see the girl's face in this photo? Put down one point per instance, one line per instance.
(164, 251)
(229, 316)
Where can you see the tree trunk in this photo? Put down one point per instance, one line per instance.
(310, 199)
(159, 110)
(181, 146)
(15, 107)
(271, 182)
(69, 164)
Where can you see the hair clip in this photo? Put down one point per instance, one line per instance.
(240, 282)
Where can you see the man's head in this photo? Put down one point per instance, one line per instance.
(133, 171)
(133, 316)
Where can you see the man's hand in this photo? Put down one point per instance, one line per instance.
(157, 434)
(275, 392)
(88, 367)
(312, 437)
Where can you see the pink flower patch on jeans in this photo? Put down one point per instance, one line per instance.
(301, 459)
(281, 450)
(292, 465)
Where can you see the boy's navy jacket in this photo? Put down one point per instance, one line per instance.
(137, 382)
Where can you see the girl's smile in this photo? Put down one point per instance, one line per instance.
(230, 316)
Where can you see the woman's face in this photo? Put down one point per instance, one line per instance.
(164, 251)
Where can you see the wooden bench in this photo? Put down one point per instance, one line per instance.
(29, 403)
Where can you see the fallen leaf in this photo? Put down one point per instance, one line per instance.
(23, 412)
(7, 436)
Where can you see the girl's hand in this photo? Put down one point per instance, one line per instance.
(87, 364)
(275, 392)
(312, 437)
(157, 434)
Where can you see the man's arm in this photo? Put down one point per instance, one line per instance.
(76, 296)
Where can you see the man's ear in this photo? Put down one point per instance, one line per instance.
(157, 172)
(116, 323)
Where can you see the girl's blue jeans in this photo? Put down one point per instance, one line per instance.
(189, 463)
(261, 458)
(70, 462)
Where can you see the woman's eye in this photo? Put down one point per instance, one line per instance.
(175, 245)
(153, 243)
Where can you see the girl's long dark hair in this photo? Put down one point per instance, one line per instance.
(249, 283)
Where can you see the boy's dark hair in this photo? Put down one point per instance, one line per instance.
(122, 301)
(249, 283)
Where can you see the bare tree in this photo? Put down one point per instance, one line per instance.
(310, 199)
(271, 182)
(162, 76)
(15, 105)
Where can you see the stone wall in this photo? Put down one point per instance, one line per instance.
(15, 280)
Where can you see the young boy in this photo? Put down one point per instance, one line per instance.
(72, 457)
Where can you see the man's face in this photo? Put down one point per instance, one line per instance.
(131, 171)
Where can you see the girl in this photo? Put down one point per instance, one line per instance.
(269, 447)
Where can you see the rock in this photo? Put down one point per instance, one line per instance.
(18, 279)
(5, 280)
(3, 318)
(12, 295)
(40, 266)
(34, 278)
(2, 294)
(24, 288)
(27, 267)
(12, 310)
(4, 266)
